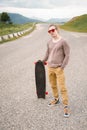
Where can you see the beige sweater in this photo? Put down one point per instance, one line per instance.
(57, 54)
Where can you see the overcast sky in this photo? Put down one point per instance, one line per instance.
(45, 8)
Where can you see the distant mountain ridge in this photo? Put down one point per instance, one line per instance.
(20, 19)
(58, 20)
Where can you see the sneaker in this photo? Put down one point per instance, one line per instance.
(54, 102)
(66, 112)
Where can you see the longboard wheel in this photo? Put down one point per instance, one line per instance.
(46, 93)
(45, 63)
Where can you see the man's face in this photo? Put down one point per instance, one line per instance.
(52, 31)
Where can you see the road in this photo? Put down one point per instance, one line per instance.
(19, 107)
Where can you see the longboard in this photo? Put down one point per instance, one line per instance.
(40, 79)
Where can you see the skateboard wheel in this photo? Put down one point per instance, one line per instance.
(45, 63)
(46, 93)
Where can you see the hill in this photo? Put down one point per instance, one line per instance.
(20, 19)
(78, 23)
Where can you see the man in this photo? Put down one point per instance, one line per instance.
(57, 56)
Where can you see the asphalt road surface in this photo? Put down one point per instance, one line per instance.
(19, 107)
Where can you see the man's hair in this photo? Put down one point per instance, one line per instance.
(56, 27)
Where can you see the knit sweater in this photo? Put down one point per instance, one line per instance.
(57, 54)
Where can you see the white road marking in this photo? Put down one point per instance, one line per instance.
(83, 35)
(39, 27)
(77, 35)
(25, 37)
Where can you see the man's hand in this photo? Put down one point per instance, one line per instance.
(44, 62)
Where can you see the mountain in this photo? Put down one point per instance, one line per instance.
(40, 19)
(58, 20)
(78, 23)
(20, 19)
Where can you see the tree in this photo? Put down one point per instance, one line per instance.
(5, 17)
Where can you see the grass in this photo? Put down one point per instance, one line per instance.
(8, 28)
(77, 24)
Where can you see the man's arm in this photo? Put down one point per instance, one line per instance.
(46, 55)
(66, 53)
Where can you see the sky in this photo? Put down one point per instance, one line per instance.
(45, 9)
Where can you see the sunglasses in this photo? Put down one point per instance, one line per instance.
(52, 30)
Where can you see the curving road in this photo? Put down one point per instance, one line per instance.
(19, 107)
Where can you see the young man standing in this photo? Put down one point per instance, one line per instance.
(57, 56)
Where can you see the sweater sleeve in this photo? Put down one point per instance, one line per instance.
(46, 54)
(66, 49)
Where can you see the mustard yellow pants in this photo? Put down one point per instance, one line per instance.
(57, 81)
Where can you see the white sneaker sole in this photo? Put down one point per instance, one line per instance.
(66, 116)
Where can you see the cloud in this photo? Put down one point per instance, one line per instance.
(42, 3)
(45, 8)
(61, 12)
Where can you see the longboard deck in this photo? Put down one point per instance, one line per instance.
(40, 79)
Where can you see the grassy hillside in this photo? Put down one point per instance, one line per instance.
(8, 28)
(78, 24)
